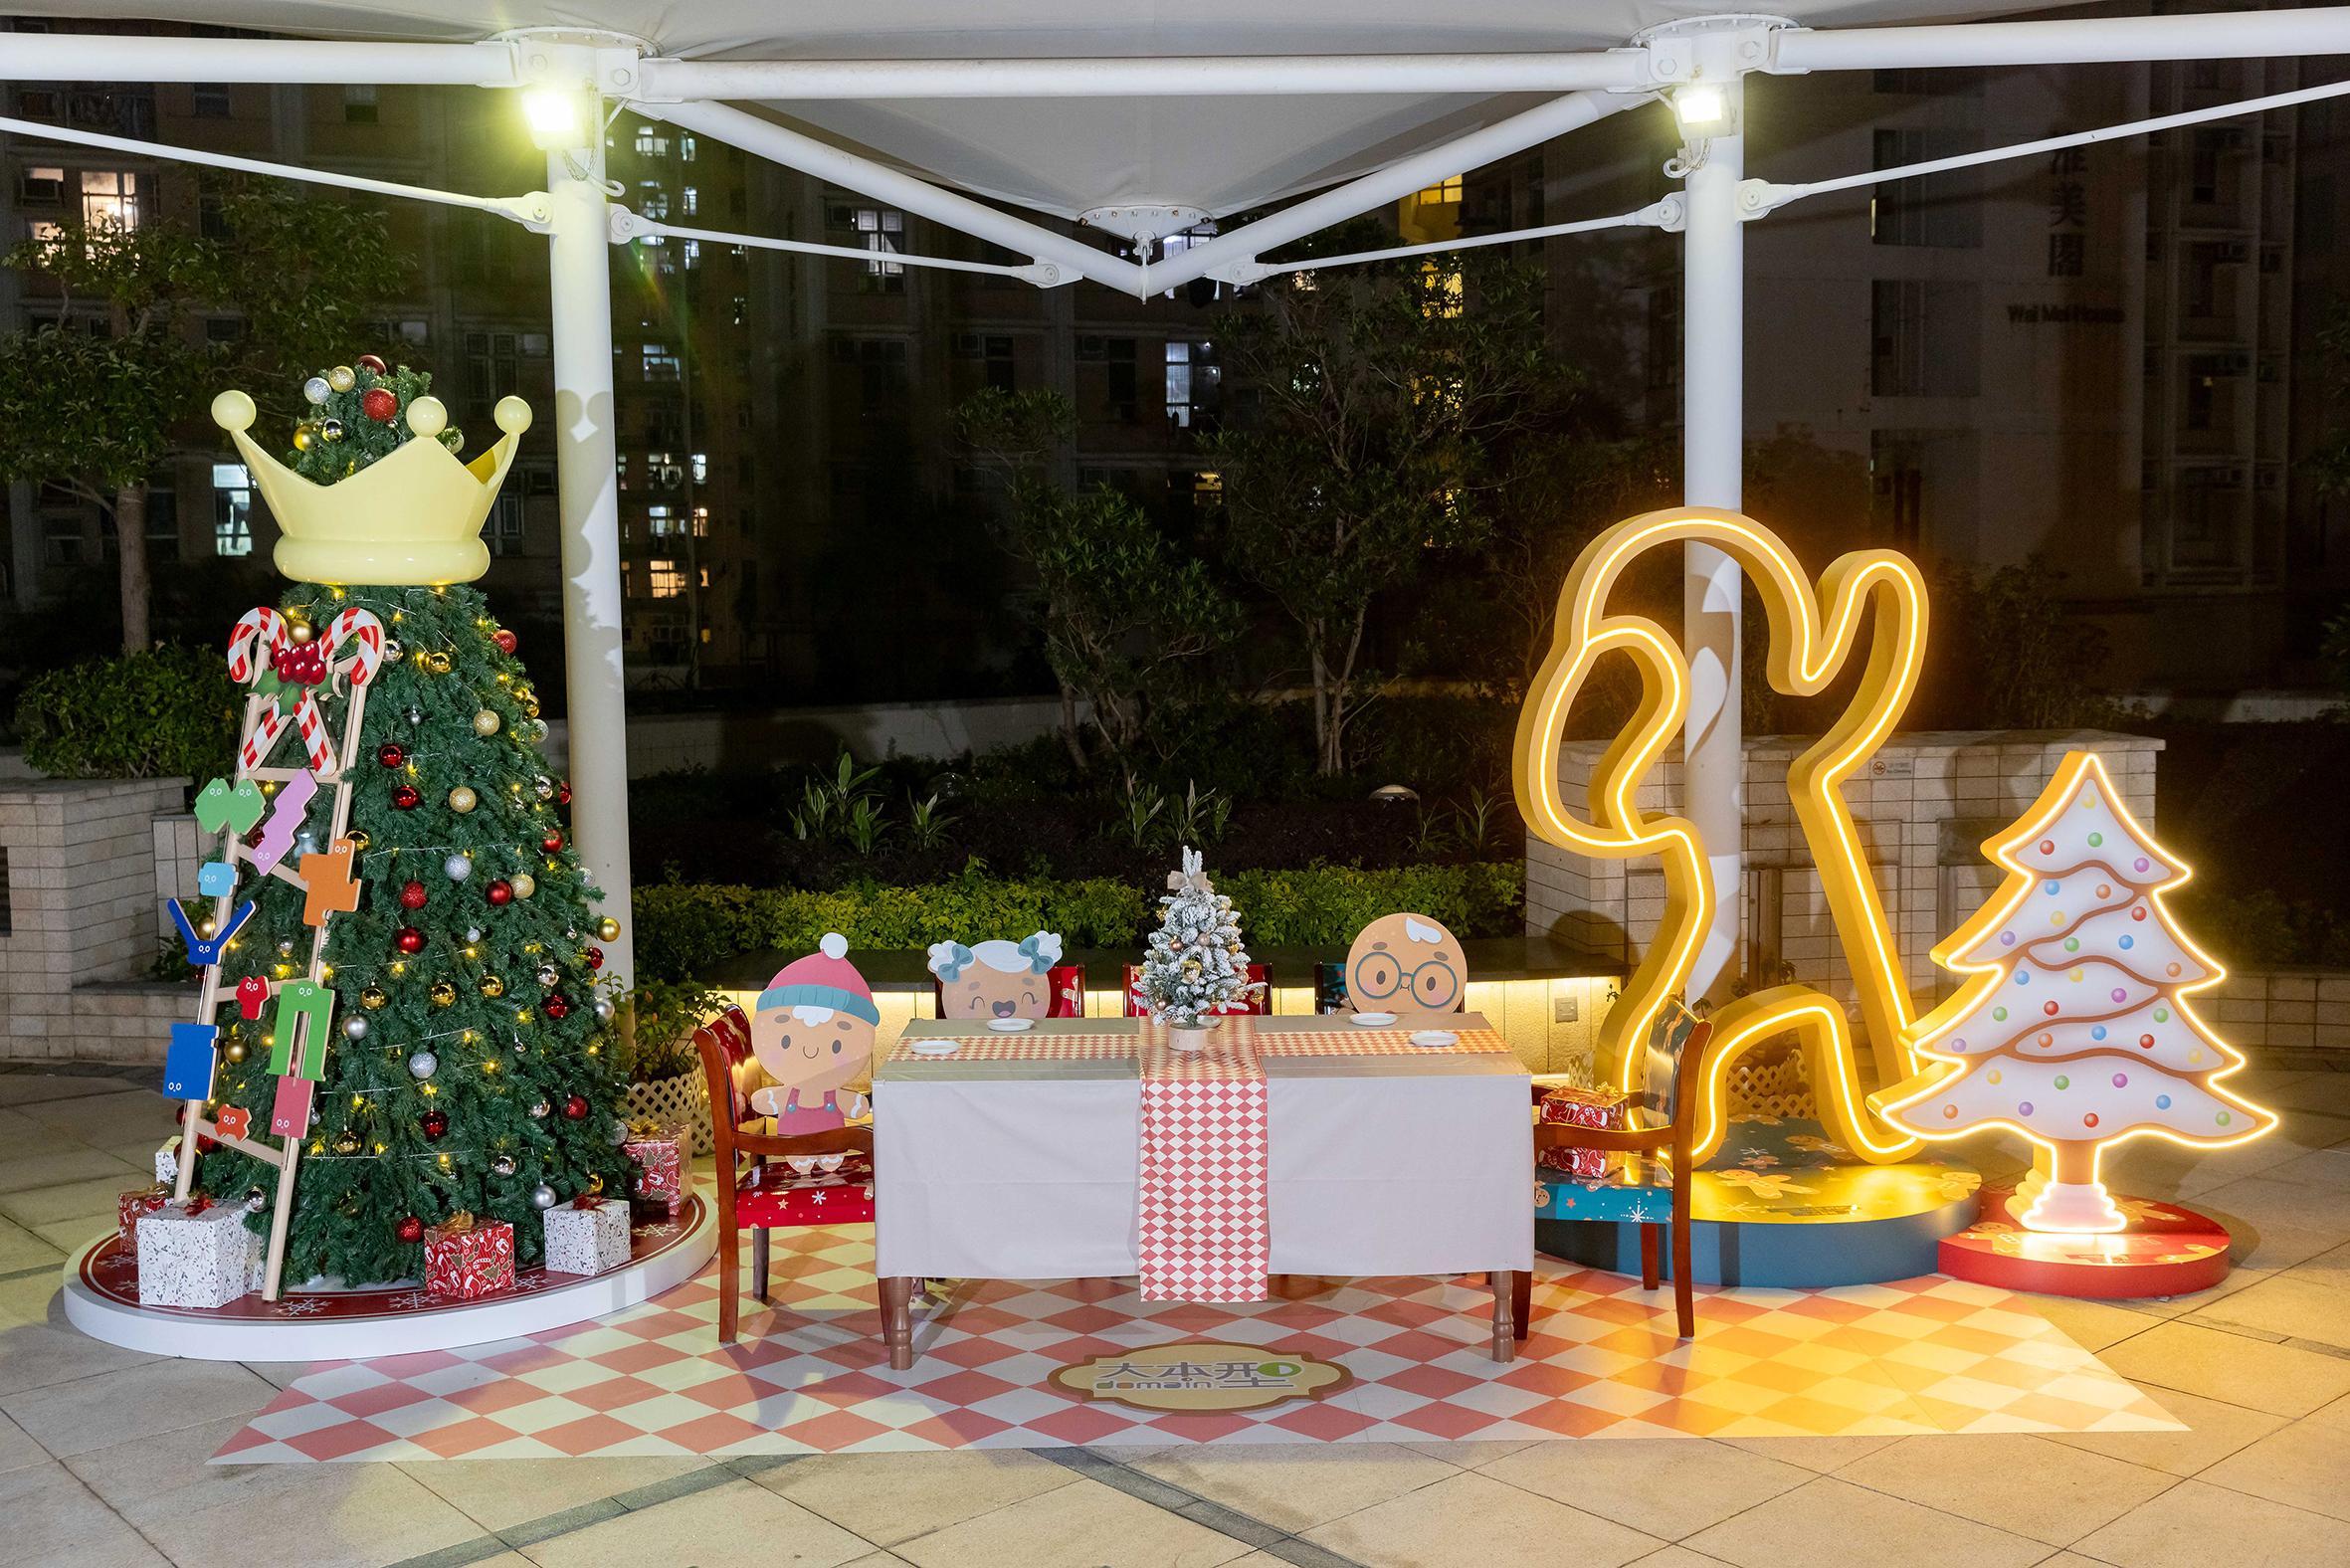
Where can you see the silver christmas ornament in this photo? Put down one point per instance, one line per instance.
(538, 1111)
(256, 1200)
(458, 867)
(355, 1028)
(504, 1165)
(603, 1009)
(285, 948)
(472, 933)
(542, 1196)
(415, 715)
(316, 390)
(392, 651)
(544, 787)
(305, 843)
(618, 1133)
(423, 1065)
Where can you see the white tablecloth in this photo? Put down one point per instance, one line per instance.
(1379, 1164)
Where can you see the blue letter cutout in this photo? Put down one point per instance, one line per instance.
(204, 951)
(187, 1066)
(216, 879)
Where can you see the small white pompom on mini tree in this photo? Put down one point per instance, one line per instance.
(1194, 965)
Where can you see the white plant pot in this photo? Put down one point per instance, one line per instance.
(1191, 1038)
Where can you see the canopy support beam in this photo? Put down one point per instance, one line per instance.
(579, 271)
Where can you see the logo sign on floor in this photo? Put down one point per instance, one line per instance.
(1200, 1377)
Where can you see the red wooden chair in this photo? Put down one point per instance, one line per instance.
(1675, 1131)
(1259, 1000)
(758, 1196)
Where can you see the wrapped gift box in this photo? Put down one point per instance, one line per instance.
(1601, 1110)
(135, 1202)
(466, 1259)
(196, 1254)
(658, 1185)
(587, 1236)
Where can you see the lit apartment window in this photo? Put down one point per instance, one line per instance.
(1443, 192)
(701, 464)
(660, 522)
(692, 250)
(1441, 290)
(232, 509)
(667, 577)
(686, 147)
(661, 362)
(653, 142)
(1193, 377)
(689, 201)
(883, 231)
(109, 198)
(701, 531)
(358, 105)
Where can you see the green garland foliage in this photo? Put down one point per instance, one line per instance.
(340, 437)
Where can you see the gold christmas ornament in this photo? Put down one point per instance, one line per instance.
(443, 993)
(595, 1183)
(491, 985)
(608, 930)
(413, 516)
(523, 885)
(300, 628)
(305, 436)
(462, 800)
(486, 722)
(372, 998)
(346, 1144)
(233, 1051)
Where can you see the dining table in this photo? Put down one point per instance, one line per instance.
(1364, 1146)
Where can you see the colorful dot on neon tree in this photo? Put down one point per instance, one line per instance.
(2048, 846)
(1991, 1075)
(2162, 1014)
(2062, 1081)
(2097, 839)
(1950, 1112)
(2141, 863)
(2090, 1121)
(2119, 995)
(2195, 1055)
(2162, 1103)
(2024, 1110)
(2023, 977)
(1958, 1045)
(2224, 1119)
(2072, 944)
(2104, 891)
(2047, 1040)
(2050, 1008)
(2121, 1081)
(2171, 969)
(2098, 1033)
(2007, 938)
(2138, 913)
(2000, 1014)
(2051, 889)
(2128, 942)
(2058, 918)
(2147, 1040)
(2074, 976)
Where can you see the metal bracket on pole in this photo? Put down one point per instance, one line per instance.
(1760, 198)
(575, 60)
(535, 211)
(1711, 48)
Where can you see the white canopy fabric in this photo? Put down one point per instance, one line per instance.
(1065, 156)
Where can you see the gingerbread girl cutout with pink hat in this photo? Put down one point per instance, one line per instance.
(813, 1033)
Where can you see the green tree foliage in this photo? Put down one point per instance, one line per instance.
(482, 994)
(1371, 406)
(341, 435)
(93, 396)
(1127, 615)
(160, 712)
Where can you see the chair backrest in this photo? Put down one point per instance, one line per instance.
(1258, 1001)
(724, 1045)
(1675, 1049)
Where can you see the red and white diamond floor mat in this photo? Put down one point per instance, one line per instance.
(809, 1374)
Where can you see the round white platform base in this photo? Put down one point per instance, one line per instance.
(355, 1325)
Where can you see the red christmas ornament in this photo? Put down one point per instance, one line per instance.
(390, 754)
(411, 895)
(563, 793)
(410, 1229)
(504, 640)
(370, 362)
(378, 405)
(501, 893)
(595, 958)
(410, 939)
(555, 1007)
(406, 798)
(435, 1123)
(303, 663)
(576, 1107)
(552, 842)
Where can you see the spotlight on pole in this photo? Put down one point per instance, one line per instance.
(1701, 107)
(554, 120)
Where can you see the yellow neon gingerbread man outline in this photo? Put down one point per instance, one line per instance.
(1807, 651)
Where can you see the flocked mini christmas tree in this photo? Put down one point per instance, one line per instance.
(2073, 1026)
(470, 1065)
(1194, 965)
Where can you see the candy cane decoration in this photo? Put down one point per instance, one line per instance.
(261, 633)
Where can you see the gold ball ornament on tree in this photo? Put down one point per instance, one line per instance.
(372, 997)
(608, 928)
(525, 885)
(461, 799)
(343, 378)
(235, 1051)
(493, 986)
(486, 722)
(435, 660)
(444, 994)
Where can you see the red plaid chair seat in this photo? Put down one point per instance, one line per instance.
(765, 1182)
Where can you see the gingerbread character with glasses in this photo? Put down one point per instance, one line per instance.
(1406, 963)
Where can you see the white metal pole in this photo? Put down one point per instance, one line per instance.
(580, 273)
(1713, 366)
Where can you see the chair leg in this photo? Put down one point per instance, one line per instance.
(1648, 1257)
(1684, 1303)
(730, 1282)
(898, 1320)
(1521, 1301)
(759, 1262)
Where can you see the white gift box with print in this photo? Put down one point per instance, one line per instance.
(205, 1258)
(587, 1241)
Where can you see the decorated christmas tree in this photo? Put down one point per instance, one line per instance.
(2073, 1026)
(458, 1044)
(1194, 965)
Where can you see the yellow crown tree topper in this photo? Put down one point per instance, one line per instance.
(414, 516)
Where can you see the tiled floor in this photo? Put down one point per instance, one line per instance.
(102, 1453)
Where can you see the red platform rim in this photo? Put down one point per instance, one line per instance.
(2166, 1249)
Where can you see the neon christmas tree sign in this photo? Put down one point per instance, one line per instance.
(2075, 1026)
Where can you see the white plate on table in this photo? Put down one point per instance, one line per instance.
(1011, 1026)
(1435, 1037)
(934, 1048)
(1373, 1020)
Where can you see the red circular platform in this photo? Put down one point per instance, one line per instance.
(2165, 1250)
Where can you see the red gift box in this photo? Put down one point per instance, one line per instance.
(466, 1259)
(1601, 1110)
(133, 1204)
(659, 1153)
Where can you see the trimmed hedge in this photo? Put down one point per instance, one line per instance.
(154, 714)
(685, 929)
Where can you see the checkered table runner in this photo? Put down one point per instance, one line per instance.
(1205, 1232)
(1354, 1042)
(988, 1046)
